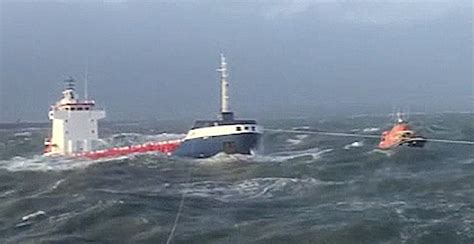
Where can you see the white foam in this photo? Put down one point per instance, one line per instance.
(257, 188)
(23, 134)
(387, 153)
(299, 139)
(371, 129)
(226, 158)
(314, 153)
(354, 144)
(7, 193)
(43, 163)
(304, 127)
(33, 215)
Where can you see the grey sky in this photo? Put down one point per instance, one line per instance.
(157, 59)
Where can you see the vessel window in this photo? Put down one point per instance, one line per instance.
(67, 132)
(72, 109)
(93, 131)
(87, 108)
(65, 121)
(246, 128)
(79, 108)
(253, 128)
(239, 128)
(67, 109)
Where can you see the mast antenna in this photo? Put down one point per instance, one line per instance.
(86, 81)
(224, 85)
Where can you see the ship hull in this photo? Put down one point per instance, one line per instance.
(204, 147)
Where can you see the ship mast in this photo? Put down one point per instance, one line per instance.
(225, 111)
(399, 117)
(86, 83)
(224, 85)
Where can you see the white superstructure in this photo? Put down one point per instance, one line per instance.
(223, 130)
(74, 124)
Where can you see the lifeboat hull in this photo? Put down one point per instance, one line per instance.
(410, 142)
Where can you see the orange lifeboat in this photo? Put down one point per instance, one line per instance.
(400, 134)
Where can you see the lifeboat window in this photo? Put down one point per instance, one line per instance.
(239, 128)
(246, 128)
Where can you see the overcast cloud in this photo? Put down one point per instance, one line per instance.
(157, 59)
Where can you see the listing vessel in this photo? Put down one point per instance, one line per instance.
(400, 134)
(224, 135)
(75, 130)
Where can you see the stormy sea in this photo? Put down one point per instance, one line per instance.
(300, 188)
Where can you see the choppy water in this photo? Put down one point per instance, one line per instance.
(303, 189)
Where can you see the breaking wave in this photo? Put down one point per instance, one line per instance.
(253, 189)
(43, 163)
(354, 144)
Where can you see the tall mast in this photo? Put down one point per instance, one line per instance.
(224, 86)
(86, 82)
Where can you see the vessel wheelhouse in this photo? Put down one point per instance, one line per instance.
(74, 123)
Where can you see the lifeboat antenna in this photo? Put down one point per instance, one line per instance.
(399, 117)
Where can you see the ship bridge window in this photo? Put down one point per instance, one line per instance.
(238, 128)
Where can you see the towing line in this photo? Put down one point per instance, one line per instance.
(325, 133)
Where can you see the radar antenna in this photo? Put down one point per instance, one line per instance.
(70, 83)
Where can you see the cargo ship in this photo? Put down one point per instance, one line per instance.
(224, 135)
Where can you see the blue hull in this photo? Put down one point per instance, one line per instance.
(207, 147)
